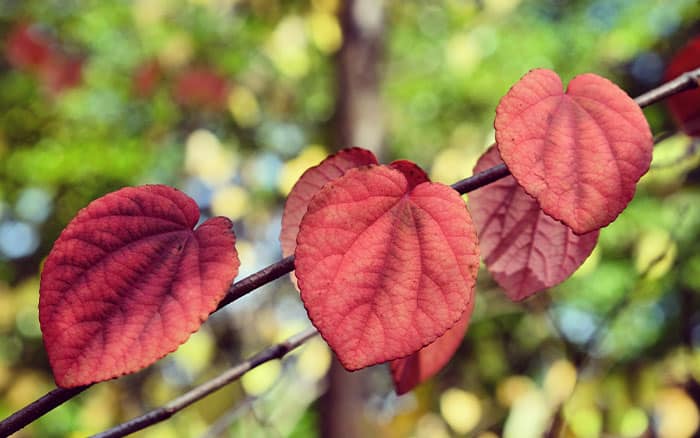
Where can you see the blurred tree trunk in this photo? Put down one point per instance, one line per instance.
(359, 116)
(358, 121)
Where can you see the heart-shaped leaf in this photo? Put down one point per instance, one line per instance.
(579, 153)
(415, 369)
(310, 183)
(525, 250)
(685, 106)
(129, 280)
(384, 268)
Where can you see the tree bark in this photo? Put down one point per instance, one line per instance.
(359, 116)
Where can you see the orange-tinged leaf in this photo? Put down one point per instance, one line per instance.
(310, 183)
(409, 372)
(384, 268)
(525, 250)
(129, 280)
(579, 153)
(685, 106)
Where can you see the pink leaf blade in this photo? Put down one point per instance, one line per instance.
(524, 249)
(579, 153)
(384, 269)
(129, 280)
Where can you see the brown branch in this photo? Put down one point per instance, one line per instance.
(56, 397)
(254, 281)
(37, 408)
(686, 81)
(163, 413)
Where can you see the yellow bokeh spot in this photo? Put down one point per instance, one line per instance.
(26, 387)
(156, 391)
(260, 379)
(463, 53)
(230, 201)
(634, 422)
(314, 360)
(8, 310)
(216, 5)
(287, 47)
(176, 52)
(586, 423)
(529, 416)
(328, 6)
(196, 354)
(452, 164)
(148, 13)
(460, 409)
(487, 435)
(325, 32)
(500, 7)
(590, 264)
(294, 168)
(431, 426)
(206, 158)
(560, 380)
(512, 388)
(97, 412)
(243, 106)
(676, 413)
(4, 376)
(655, 253)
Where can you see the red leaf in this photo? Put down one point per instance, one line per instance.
(201, 87)
(579, 153)
(414, 174)
(146, 78)
(685, 106)
(415, 369)
(27, 48)
(61, 72)
(525, 250)
(310, 183)
(129, 280)
(384, 269)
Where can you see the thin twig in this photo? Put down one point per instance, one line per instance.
(163, 413)
(686, 81)
(37, 408)
(56, 397)
(254, 281)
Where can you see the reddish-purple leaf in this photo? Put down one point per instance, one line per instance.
(579, 153)
(129, 280)
(685, 106)
(525, 250)
(414, 174)
(310, 183)
(384, 268)
(415, 369)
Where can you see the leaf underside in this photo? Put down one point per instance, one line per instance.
(409, 372)
(129, 280)
(525, 250)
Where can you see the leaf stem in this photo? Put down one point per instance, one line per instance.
(58, 396)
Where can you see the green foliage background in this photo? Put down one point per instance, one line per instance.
(446, 64)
